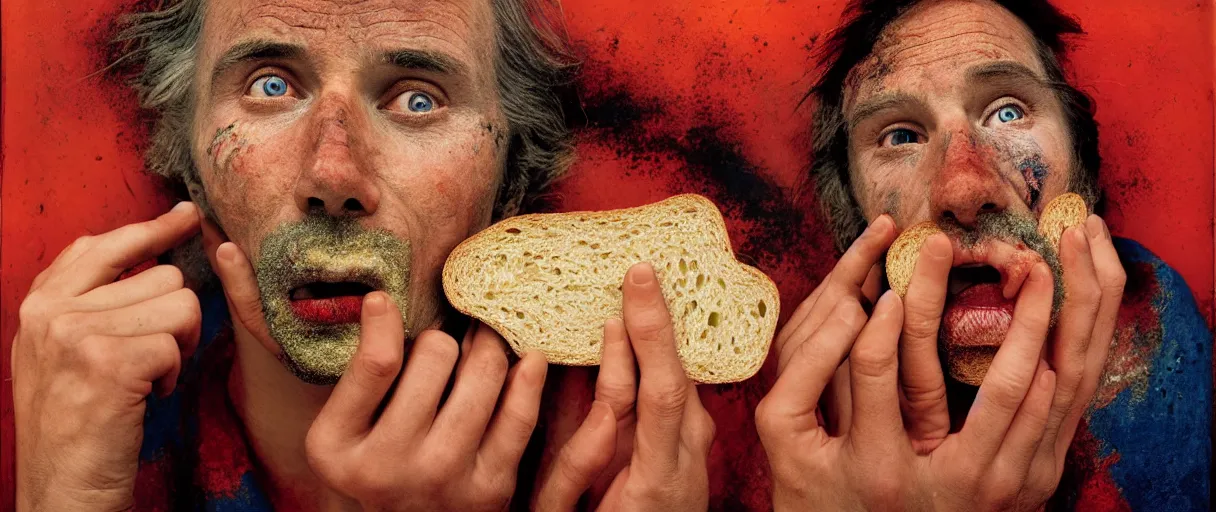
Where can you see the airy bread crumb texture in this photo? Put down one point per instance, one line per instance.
(548, 282)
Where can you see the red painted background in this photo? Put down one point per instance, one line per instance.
(678, 96)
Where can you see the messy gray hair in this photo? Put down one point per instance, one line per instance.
(534, 67)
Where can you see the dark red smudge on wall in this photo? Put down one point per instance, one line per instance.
(680, 97)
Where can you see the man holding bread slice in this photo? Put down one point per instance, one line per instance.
(1076, 367)
(334, 154)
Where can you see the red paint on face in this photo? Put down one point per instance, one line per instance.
(329, 311)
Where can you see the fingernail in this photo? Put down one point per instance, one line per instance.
(880, 223)
(1093, 227)
(1047, 380)
(940, 250)
(599, 415)
(180, 207)
(225, 252)
(846, 313)
(374, 304)
(642, 274)
(1079, 239)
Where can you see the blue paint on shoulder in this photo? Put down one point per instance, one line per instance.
(1162, 440)
(163, 428)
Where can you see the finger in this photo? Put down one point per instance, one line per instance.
(1071, 336)
(579, 462)
(238, 280)
(697, 433)
(1012, 371)
(1111, 278)
(800, 314)
(617, 381)
(153, 358)
(874, 377)
(795, 395)
(1027, 432)
(847, 277)
(122, 248)
(663, 390)
(416, 400)
(350, 410)
(837, 401)
(924, 386)
(462, 420)
(512, 426)
(466, 344)
(871, 288)
(151, 283)
(177, 314)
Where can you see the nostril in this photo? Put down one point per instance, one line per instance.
(949, 215)
(988, 207)
(352, 205)
(315, 203)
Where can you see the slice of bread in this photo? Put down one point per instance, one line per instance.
(901, 257)
(1063, 212)
(548, 282)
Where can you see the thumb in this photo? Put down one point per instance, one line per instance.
(238, 280)
(579, 462)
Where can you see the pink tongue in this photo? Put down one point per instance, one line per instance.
(333, 310)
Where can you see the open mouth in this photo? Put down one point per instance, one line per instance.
(977, 314)
(966, 276)
(325, 302)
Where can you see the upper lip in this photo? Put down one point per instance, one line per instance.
(310, 276)
(1012, 262)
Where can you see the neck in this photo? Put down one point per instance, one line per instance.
(277, 409)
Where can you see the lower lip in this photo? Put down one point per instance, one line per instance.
(331, 311)
(978, 316)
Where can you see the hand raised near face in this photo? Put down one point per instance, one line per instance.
(1076, 349)
(389, 444)
(660, 464)
(872, 464)
(87, 353)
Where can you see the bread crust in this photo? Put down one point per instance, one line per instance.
(553, 239)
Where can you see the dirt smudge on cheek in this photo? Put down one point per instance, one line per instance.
(226, 145)
(892, 203)
(1035, 172)
(1025, 158)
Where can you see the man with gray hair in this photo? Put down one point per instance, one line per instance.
(334, 153)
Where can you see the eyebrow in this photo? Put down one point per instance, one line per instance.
(881, 103)
(1005, 72)
(421, 60)
(257, 49)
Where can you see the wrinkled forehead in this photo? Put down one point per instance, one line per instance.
(936, 42)
(462, 30)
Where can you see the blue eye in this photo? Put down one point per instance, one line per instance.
(1009, 113)
(420, 102)
(271, 86)
(901, 136)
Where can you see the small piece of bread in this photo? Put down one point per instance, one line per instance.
(548, 282)
(901, 257)
(1065, 211)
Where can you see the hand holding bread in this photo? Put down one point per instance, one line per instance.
(548, 282)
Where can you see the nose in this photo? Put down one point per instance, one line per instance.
(338, 179)
(968, 182)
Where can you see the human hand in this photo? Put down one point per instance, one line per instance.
(871, 461)
(661, 462)
(395, 447)
(87, 353)
(1076, 350)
